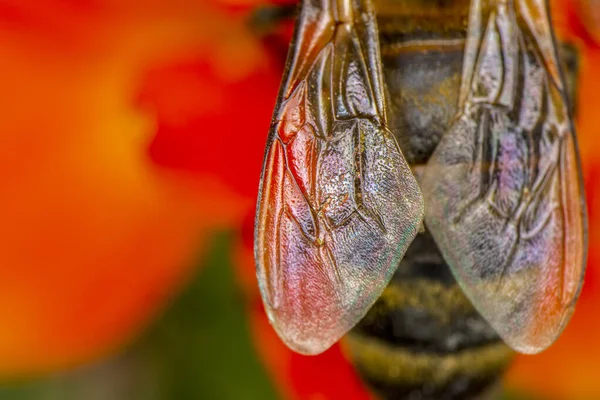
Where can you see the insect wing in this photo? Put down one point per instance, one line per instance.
(503, 189)
(338, 204)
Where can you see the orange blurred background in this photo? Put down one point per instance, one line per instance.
(131, 134)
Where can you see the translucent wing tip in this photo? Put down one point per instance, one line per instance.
(524, 278)
(536, 342)
(316, 291)
(307, 336)
(311, 303)
(531, 323)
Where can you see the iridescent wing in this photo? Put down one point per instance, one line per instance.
(503, 189)
(338, 204)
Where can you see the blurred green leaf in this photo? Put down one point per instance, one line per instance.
(203, 345)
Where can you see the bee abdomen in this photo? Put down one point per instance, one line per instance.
(400, 373)
(423, 339)
(426, 316)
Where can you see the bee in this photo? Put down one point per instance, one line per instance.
(421, 191)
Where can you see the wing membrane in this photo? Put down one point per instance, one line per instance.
(503, 188)
(338, 204)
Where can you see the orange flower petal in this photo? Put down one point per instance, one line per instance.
(94, 234)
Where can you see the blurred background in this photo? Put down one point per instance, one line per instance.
(131, 141)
